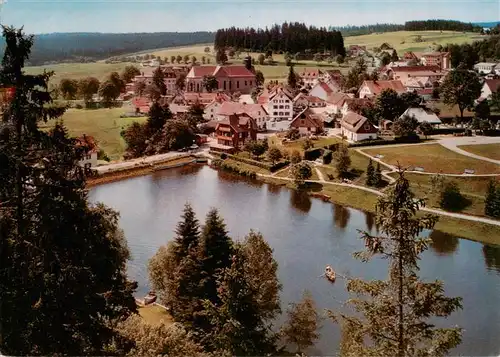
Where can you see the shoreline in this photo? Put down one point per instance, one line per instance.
(139, 170)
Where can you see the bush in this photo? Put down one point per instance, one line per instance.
(451, 199)
(224, 166)
(313, 154)
(279, 166)
(444, 131)
(223, 156)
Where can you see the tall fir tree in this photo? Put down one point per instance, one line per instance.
(370, 174)
(377, 176)
(393, 315)
(63, 276)
(159, 81)
(292, 78)
(187, 237)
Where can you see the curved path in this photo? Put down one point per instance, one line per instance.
(453, 143)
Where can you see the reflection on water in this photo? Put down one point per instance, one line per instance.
(443, 243)
(492, 257)
(300, 200)
(341, 216)
(274, 189)
(369, 220)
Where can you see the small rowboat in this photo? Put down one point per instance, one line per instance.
(150, 298)
(329, 273)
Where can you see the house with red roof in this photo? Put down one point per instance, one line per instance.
(490, 86)
(141, 105)
(256, 111)
(356, 127)
(212, 108)
(403, 73)
(371, 89)
(235, 131)
(89, 144)
(307, 122)
(229, 78)
(438, 59)
(323, 89)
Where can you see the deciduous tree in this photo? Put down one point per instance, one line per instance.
(221, 56)
(274, 154)
(300, 172)
(108, 92)
(210, 83)
(295, 157)
(259, 79)
(492, 200)
(292, 78)
(180, 82)
(87, 87)
(405, 126)
(159, 81)
(461, 87)
(129, 73)
(261, 58)
(342, 160)
(392, 315)
(68, 88)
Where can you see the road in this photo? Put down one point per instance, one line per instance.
(453, 143)
(118, 166)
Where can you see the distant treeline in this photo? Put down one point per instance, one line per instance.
(288, 37)
(443, 25)
(88, 47)
(424, 25)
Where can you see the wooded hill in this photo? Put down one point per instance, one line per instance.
(89, 47)
(288, 37)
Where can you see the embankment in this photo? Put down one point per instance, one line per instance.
(139, 169)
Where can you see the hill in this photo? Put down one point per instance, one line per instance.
(88, 47)
(487, 24)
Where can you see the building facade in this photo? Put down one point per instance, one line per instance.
(236, 130)
(229, 78)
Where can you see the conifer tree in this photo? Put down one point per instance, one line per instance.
(159, 81)
(63, 276)
(215, 252)
(377, 176)
(370, 174)
(187, 237)
(392, 315)
(292, 78)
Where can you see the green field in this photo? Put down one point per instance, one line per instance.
(432, 158)
(103, 124)
(405, 40)
(491, 151)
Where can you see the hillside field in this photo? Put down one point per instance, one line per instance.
(401, 40)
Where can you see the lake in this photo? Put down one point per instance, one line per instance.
(306, 234)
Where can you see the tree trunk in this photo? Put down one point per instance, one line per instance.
(401, 349)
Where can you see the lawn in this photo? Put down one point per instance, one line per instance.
(248, 167)
(103, 124)
(154, 315)
(298, 144)
(286, 174)
(405, 40)
(432, 158)
(100, 70)
(491, 151)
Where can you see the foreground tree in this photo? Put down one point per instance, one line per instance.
(392, 315)
(301, 328)
(56, 249)
(461, 87)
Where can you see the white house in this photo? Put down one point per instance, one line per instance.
(212, 108)
(311, 76)
(485, 67)
(90, 156)
(304, 100)
(356, 127)
(490, 86)
(280, 104)
(373, 88)
(422, 115)
(256, 111)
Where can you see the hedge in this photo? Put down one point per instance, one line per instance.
(224, 166)
(444, 131)
(262, 165)
(313, 154)
(408, 140)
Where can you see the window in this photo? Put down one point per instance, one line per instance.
(245, 83)
(275, 113)
(367, 126)
(302, 122)
(281, 107)
(224, 85)
(287, 107)
(275, 107)
(308, 129)
(281, 113)
(250, 82)
(237, 84)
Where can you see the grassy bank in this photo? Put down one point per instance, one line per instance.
(491, 151)
(155, 315)
(432, 158)
(104, 125)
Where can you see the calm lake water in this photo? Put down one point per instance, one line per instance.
(306, 234)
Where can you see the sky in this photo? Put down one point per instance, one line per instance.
(47, 16)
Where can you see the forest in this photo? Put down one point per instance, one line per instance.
(89, 47)
(288, 37)
(425, 25)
